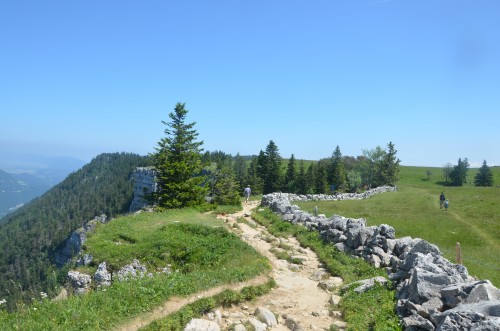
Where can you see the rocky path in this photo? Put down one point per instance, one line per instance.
(302, 299)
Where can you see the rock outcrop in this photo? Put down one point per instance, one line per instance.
(432, 292)
(144, 183)
(76, 239)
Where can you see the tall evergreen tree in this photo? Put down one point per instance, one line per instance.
(254, 180)
(484, 176)
(290, 176)
(178, 162)
(225, 187)
(301, 187)
(336, 171)
(240, 171)
(458, 175)
(272, 166)
(310, 179)
(320, 181)
(388, 167)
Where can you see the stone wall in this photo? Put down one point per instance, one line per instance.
(144, 183)
(432, 292)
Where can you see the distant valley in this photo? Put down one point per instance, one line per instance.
(24, 177)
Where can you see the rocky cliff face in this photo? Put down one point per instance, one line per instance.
(75, 240)
(432, 292)
(144, 183)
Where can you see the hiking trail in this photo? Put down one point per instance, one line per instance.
(297, 301)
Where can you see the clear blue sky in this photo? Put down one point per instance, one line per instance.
(79, 78)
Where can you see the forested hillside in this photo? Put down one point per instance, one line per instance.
(29, 236)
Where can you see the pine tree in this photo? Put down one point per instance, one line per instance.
(178, 162)
(301, 187)
(225, 187)
(320, 181)
(388, 167)
(272, 168)
(458, 175)
(290, 176)
(484, 176)
(336, 171)
(240, 171)
(253, 178)
(310, 179)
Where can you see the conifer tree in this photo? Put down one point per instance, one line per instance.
(320, 181)
(225, 187)
(240, 171)
(253, 179)
(178, 162)
(458, 175)
(484, 176)
(336, 171)
(310, 179)
(301, 187)
(290, 176)
(388, 167)
(271, 168)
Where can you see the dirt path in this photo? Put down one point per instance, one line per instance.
(297, 300)
(297, 296)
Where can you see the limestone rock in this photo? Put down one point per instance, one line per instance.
(102, 277)
(197, 324)
(79, 282)
(265, 316)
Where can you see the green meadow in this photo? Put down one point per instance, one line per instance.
(472, 219)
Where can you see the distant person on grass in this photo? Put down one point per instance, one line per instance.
(442, 199)
(248, 191)
(446, 204)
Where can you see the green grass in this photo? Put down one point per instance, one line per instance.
(203, 252)
(473, 218)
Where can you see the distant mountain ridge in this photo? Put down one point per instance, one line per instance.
(24, 177)
(18, 189)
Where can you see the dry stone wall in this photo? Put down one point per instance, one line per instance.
(432, 292)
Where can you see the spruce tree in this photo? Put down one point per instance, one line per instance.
(336, 171)
(301, 180)
(458, 175)
(178, 162)
(225, 187)
(272, 168)
(290, 176)
(484, 176)
(388, 167)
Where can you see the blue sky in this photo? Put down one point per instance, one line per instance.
(79, 78)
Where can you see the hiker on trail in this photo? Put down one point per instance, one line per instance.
(446, 204)
(442, 199)
(248, 191)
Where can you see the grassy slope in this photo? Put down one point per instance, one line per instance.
(473, 218)
(196, 244)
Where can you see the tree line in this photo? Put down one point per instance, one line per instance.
(456, 175)
(186, 175)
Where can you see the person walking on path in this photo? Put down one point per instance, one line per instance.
(248, 191)
(442, 199)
